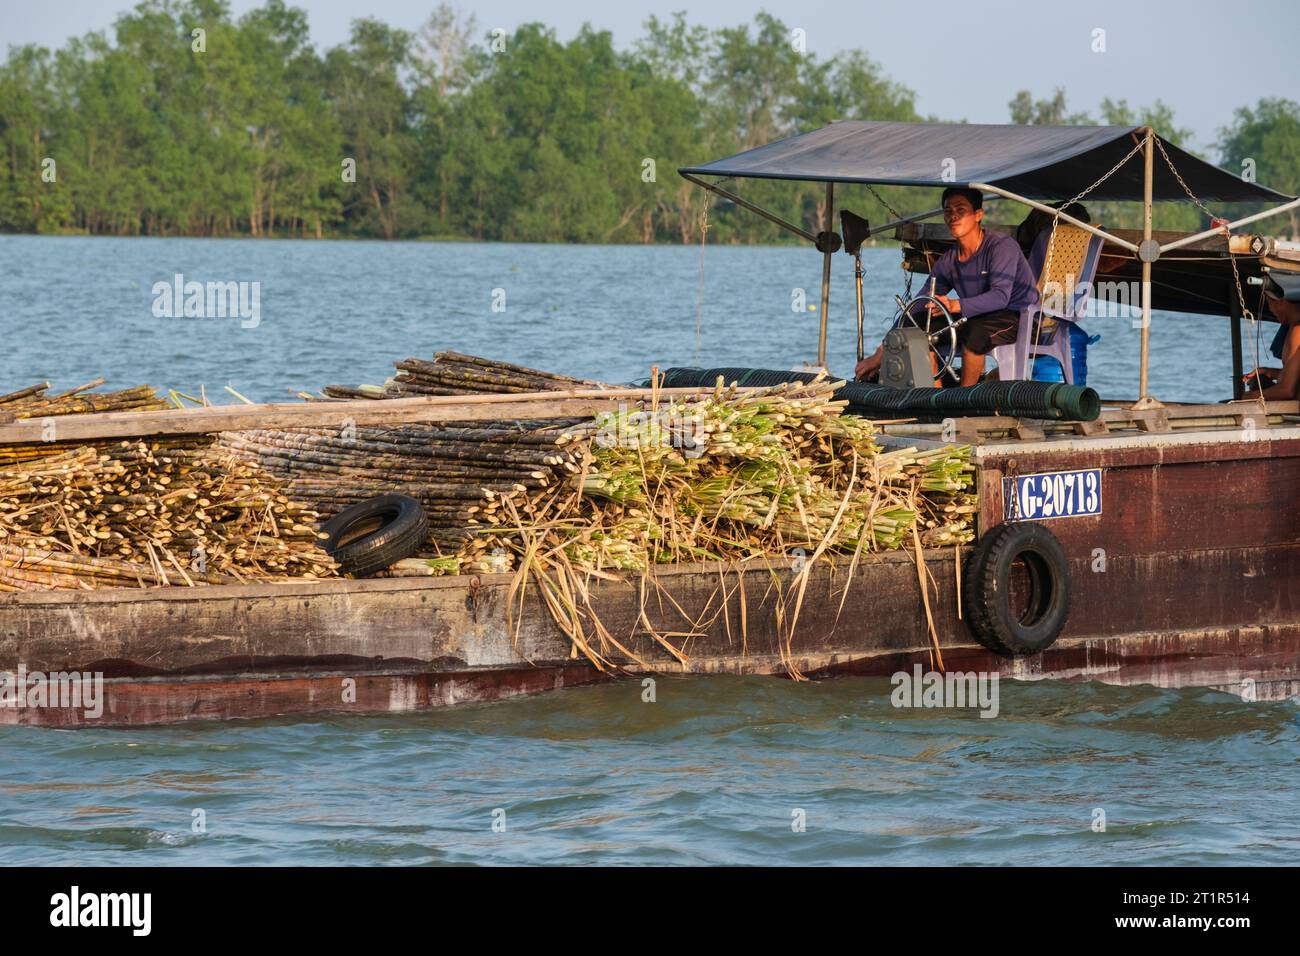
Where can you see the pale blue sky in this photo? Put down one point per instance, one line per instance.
(1202, 58)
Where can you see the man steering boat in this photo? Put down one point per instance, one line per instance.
(983, 279)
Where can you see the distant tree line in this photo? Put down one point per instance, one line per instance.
(191, 122)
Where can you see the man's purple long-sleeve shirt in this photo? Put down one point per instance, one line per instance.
(996, 279)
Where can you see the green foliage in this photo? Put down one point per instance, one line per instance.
(367, 94)
(25, 91)
(1267, 138)
(1180, 217)
(1030, 112)
(248, 129)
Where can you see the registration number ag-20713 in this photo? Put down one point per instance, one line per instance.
(1061, 494)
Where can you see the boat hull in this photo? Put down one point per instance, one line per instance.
(1186, 578)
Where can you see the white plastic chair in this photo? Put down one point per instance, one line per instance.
(1063, 299)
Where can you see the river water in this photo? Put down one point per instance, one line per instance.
(716, 770)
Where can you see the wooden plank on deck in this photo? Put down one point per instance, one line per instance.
(576, 403)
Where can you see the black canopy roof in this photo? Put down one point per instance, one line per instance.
(1040, 162)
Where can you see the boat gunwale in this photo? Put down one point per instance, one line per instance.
(294, 588)
(1184, 438)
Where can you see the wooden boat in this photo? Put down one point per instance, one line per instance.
(1183, 571)
(1167, 590)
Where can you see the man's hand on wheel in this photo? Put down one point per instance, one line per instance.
(952, 305)
(869, 368)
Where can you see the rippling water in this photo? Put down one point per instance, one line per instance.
(76, 308)
(714, 769)
(711, 772)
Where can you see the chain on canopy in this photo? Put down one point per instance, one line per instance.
(1051, 247)
(907, 281)
(1232, 258)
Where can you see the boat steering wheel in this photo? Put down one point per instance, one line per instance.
(948, 329)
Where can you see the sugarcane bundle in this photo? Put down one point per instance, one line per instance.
(32, 568)
(767, 471)
(144, 513)
(23, 393)
(455, 470)
(735, 476)
(455, 373)
(33, 402)
(422, 567)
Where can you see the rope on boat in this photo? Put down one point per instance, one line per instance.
(699, 290)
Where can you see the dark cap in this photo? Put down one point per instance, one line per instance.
(1282, 285)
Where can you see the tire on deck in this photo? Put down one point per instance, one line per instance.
(986, 587)
(372, 535)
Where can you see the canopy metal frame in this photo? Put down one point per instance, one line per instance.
(990, 196)
(1147, 251)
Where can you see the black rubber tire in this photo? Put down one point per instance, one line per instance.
(986, 597)
(402, 529)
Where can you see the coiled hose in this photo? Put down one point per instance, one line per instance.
(1054, 401)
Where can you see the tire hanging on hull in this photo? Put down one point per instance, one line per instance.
(987, 592)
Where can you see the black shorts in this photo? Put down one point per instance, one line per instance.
(982, 333)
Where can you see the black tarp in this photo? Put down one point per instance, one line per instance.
(1289, 282)
(1040, 162)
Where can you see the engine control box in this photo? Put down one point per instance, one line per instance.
(906, 362)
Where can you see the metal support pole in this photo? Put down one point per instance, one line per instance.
(1234, 318)
(1043, 207)
(1148, 160)
(857, 282)
(746, 204)
(1219, 230)
(826, 274)
(921, 217)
